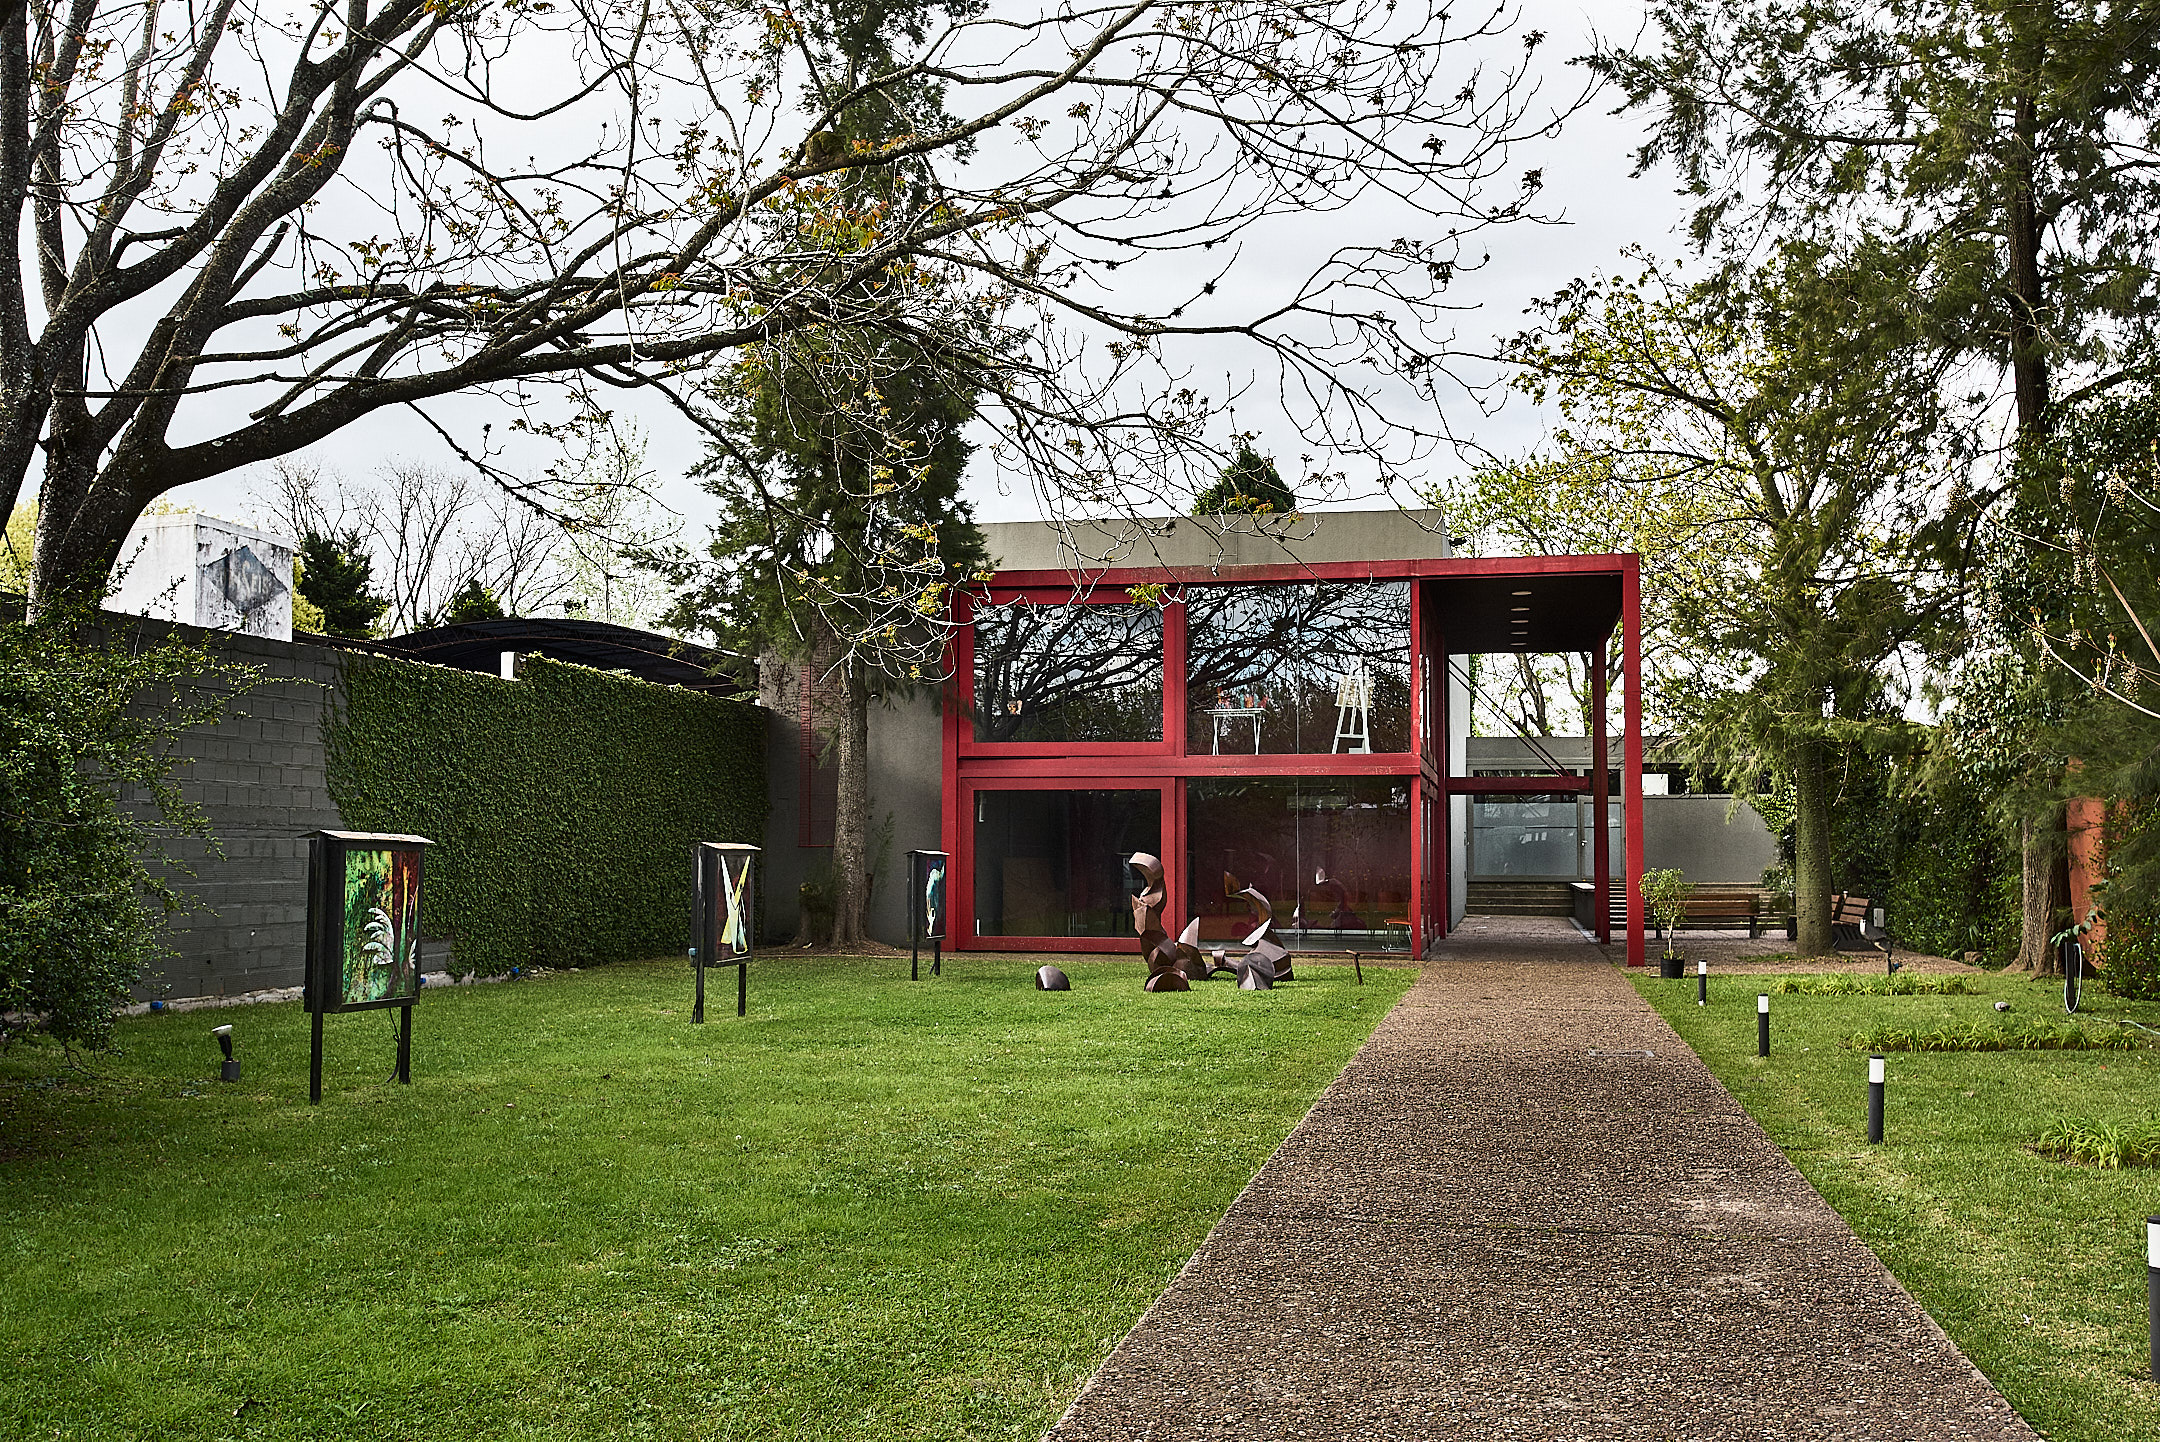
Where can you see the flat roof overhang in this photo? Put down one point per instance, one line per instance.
(1488, 603)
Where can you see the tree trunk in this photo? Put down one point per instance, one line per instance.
(2045, 874)
(851, 820)
(1811, 849)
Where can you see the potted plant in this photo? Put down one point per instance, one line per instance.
(1666, 893)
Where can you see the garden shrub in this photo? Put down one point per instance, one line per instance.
(2036, 1036)
(562, 806)
(1955, 886)
(1903, 984)
(2101, 1144)
(2130, 957)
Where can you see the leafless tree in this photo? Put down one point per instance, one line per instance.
(242, 228)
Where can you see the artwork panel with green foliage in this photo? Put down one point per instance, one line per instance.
(379, 957)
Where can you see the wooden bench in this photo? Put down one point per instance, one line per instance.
(1726, 912)
(1849, 921)
(1706, 911)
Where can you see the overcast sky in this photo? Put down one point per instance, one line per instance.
(1599, 210)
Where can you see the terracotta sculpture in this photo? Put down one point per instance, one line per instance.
(1165, 973)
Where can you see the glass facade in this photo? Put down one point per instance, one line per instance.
(1331, 854)
(1082, 672)
(1052, 863)
(1314, 667)
(1540, 838)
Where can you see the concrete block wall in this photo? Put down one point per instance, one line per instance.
(260, 777)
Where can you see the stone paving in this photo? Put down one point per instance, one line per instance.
(1525, 1210)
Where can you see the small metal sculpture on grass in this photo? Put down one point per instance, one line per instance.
(1165, 969)
(1263, 953)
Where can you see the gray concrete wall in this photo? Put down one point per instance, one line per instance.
(1212, 541)
(259, 776)
(1691, 833)
(907, 757)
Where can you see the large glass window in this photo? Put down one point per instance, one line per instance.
(1321, 666)
(1526, 838)
(1331, 854)
(1052, 863)
(1077, 672)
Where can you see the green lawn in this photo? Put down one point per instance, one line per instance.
(871, 1210)
(2035, 1267)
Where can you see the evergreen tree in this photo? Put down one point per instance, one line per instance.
(1249, 483)
(2012, 145)
(471, 602)
(1797, 407)
(334, 573)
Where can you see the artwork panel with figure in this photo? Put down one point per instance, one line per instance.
(381, 954)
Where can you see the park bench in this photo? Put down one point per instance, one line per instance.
(1727, 911)
(1849, 923)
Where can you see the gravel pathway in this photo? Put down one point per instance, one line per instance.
(1525, 1210)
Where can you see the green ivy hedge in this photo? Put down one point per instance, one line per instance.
(562, 805)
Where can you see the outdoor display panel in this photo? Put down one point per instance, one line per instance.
(363, 934)
(363, 946)
(723, 916)
(1052, 862)
(1081, 673)
(927, 871)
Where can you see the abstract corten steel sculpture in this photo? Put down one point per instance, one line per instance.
(1165, 973)
(1264, 954)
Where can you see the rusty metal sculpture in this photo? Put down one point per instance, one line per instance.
(1165, 971)
(1265, 957)
(1049, 978)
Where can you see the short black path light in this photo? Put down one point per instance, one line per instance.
(1702, 983)
(230, 1070)
(1762, 1024)
(1875, 1071)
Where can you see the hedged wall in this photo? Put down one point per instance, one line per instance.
(562, 804)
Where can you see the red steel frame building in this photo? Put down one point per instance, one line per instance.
(1459, 606)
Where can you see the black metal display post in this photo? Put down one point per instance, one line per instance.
(723, 907)
(926, 910)
(363, 935)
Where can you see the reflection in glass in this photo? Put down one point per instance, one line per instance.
(1068, 672)
(1526, 838)
(1331, 854)
(1052, 863)
(1320, 666)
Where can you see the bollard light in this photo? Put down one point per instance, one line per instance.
(1875, 1072)
(1702, 983)
(1762, 1024)
(2152, 1292)
(230, 1071)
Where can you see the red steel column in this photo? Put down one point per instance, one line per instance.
(1600, 763)
(1631, 748)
